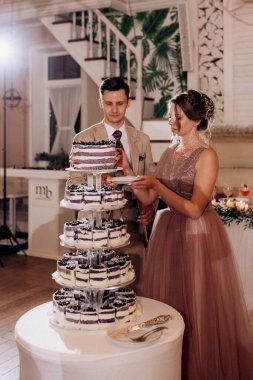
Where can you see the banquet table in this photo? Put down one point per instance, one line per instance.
(52, 353)
(241, 239)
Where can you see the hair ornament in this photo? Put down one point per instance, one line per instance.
(209, 106)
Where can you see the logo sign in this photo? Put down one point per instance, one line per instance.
(43, 192)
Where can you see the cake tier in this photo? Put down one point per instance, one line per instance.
(94, 270)
(82, 197)
(93, 155)
(81, 234)
(80, 244)
(87, 311)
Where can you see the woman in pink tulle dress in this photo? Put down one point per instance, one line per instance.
(189, 262)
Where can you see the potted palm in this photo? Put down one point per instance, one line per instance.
(42, 159)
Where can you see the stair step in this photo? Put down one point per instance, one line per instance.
(61, 22)
(79, 39)
(99, 58)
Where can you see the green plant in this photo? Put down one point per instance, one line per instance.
(59, 161)
(162, 61)
(42, 156)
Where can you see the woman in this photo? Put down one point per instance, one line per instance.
(189, 262)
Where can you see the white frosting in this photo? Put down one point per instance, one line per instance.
(89, 149)
(76, 316)
(72, 318)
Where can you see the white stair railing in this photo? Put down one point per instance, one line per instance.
(106, 41)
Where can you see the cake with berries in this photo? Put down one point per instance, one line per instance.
(97, 270)
(93, 155)
(82, 234)
(88, 198)
(73, 310)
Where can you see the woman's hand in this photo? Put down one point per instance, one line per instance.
(145, 182)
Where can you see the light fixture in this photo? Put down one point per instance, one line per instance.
(5, 50)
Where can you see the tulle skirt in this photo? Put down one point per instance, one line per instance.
(189, 265)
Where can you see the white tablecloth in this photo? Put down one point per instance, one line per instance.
(49, 353)
(242, 243)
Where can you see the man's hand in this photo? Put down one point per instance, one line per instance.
(147, 214)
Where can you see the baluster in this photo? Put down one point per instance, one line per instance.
(108, 55)
(117, 56)
(128, 67)
(90, 35)
(139, 91)
(73, 30)
(82, 25)
(99, 38)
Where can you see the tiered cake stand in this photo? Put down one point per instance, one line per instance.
(94, 294)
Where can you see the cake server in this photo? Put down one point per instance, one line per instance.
(159, 320)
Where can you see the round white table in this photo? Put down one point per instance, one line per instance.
(242, 242)
(51, 353)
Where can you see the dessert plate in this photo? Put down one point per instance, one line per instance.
(124, 180)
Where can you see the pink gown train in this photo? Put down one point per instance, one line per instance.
(189, 265)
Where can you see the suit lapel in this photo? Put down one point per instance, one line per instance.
(133, 144)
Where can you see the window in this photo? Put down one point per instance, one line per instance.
(62, 67)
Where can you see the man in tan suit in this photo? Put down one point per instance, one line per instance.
(114, 101)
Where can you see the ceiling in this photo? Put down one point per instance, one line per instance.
(20, 10)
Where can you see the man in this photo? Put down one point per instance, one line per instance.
(114, 101)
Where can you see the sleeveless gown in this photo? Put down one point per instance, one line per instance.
(189, 265)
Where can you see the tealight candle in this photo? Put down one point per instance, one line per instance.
(241, 206)
(229, 203)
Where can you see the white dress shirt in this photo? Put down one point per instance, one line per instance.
(123, 140)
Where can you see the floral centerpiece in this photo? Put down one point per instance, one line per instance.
(235, 211)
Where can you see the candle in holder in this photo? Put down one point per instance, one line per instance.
(229, 203)
(246, 206)
(241, 206)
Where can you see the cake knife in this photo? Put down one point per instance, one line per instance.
(159, 320)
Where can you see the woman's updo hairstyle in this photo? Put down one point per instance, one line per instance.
(196, 106)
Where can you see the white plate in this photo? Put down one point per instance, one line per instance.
(93, 207)
(63, 283)
(125, 339)
(124, 179)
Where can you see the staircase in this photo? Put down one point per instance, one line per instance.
(99, 48)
